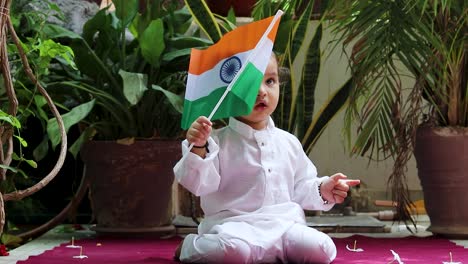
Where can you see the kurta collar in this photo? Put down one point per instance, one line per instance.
(247, 131)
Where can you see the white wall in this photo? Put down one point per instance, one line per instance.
(329, 154)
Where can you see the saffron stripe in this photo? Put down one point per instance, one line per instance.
(241, 39)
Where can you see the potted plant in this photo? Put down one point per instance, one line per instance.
(128, 94)
(408, 62)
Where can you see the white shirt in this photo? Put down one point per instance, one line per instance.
(251, 174)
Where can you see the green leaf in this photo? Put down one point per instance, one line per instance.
(55, 31)
(8, 168)
(311, 70)
(50, 49)
(152, 42)
(31, 163)
(231, 16)
(188, 42)
(334, 104)
(176, 100)
(204, 18)
(86, 135)
(42, 149)
(21, 140)
(126, 10)
(40, 101)
(300, 31)
(71, 118)
(134, 85)
(170, 56)
(11, 120)
(101, 21)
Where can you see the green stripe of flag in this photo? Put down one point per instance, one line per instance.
(238, 102)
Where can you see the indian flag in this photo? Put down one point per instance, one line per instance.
(224, 79)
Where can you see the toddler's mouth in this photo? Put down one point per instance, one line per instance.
(261, 105)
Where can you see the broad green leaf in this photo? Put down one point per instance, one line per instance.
(152, 42)
(99, 22)
(126, 10)
(176, 100)
(169, 56)
(71, 118)
(183, 42)
(55, 31)
(134, 85)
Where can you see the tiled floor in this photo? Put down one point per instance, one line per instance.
(54, 238)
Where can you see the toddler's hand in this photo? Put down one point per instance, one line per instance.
(199, 131)
(335, 189)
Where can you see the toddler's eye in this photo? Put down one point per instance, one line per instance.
(270, 81)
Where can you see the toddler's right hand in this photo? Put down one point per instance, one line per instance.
(199, 131)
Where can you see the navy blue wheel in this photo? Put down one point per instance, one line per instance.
(229, 69)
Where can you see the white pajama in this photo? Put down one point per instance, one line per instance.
(254, 185)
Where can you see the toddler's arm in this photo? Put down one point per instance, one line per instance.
(198, 171)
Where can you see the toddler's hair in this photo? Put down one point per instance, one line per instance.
(284, 75)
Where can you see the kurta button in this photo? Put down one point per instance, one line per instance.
(263, 144)
(269, 170)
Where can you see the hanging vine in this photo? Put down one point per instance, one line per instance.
(6, 130)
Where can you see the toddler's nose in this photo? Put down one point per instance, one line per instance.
(261, 92)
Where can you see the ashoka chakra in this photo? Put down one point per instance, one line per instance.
(229, 69)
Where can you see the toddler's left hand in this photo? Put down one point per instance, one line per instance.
(336, 187)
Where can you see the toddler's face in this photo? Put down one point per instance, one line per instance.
(267, 98)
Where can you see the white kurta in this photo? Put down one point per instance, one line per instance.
(253, 184)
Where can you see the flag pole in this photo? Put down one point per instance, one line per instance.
(278, 14)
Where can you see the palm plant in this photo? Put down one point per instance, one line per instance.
(393, 43)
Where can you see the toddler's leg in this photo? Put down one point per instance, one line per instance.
(211, 248)
(303, 244)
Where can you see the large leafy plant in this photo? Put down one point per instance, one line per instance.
(423, 41)
(131, 74)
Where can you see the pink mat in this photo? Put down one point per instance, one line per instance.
(376, 250)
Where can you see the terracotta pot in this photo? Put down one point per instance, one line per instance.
(242, 8)
(131, 185)
(442, 159)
